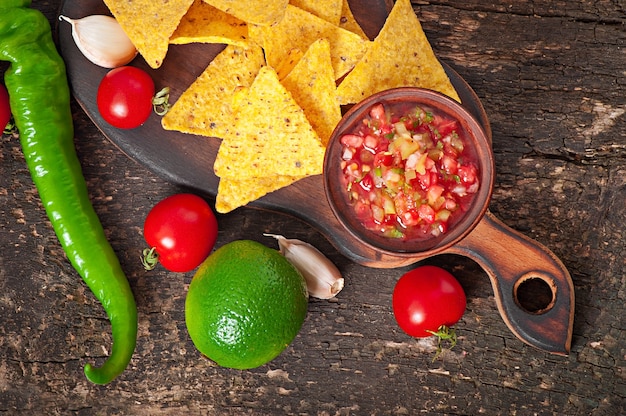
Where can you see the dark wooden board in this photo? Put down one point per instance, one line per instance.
(187, 160)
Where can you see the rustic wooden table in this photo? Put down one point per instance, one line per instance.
(551, 77)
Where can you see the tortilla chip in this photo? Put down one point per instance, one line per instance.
(400, 56)
(204, 23)
(348, 22)
(286, 65)
(258, 12)
(312, 85)
(271, 135)
(234, 193)
(149, 24)
(299, 29)
(205, 107)
(329, 10)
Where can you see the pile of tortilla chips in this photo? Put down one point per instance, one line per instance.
(274, 94)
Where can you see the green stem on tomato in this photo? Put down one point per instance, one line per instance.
(443, 333)
(149, 258)
(160, 102)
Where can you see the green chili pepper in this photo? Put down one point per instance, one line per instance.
(40, 102)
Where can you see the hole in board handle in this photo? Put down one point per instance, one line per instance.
(535, 293)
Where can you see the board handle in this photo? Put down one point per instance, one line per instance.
(512, 261)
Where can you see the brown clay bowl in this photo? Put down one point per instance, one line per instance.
(478, 144)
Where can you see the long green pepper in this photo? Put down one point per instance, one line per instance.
(40, 103)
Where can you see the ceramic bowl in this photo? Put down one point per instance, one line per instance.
(476, 137)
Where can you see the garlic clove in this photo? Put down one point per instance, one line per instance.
(323, 279)
(101, 39)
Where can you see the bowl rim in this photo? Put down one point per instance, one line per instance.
(464, 225)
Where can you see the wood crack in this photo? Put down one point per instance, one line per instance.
(606, 155)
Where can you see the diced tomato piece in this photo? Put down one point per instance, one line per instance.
(433, 194)
(426, 213)
(385, 129)
(449, 165)
(403, 203)
(383, 159)
(450, 204)
(362, 210)
(445, 126)
(429, 163)
(424, 180)
(459, 190)
(467, 174)
(449, 150)
(352, 140)
(377, 112)
(370, 142)
(410, 218)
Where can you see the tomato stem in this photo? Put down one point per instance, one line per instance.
(160, 102)
(10, 128)
(149, 258)
(443, 333)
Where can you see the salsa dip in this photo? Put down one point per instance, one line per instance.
(412, 170)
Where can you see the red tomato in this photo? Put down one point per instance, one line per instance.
(182, 230)
(426, 298)
(125, 97)
(5, 108)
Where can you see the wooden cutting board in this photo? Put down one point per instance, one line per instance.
(187, 160)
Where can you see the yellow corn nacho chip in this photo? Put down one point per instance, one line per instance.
(259, 12)
(312, 85)
(299, 29)
(399, 56)
(348, 22)
(205, 107)
(271, 136)
(329, 10)
(204, 23)
(149, 24)
(234, 193)
(286, 65)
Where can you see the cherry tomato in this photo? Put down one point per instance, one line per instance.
(427, 298)
(125, 97)
(5, 108)
(182, 230)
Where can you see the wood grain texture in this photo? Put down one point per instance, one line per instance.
(550, 76)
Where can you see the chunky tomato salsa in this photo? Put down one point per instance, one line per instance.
(408, 171)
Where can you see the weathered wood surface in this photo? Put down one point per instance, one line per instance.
(552, 79)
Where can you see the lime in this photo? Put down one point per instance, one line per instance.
(245, 305)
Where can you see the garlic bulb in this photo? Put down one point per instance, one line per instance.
(101, 39)
(323, 279)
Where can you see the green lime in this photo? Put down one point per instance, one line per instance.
(245, 305)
